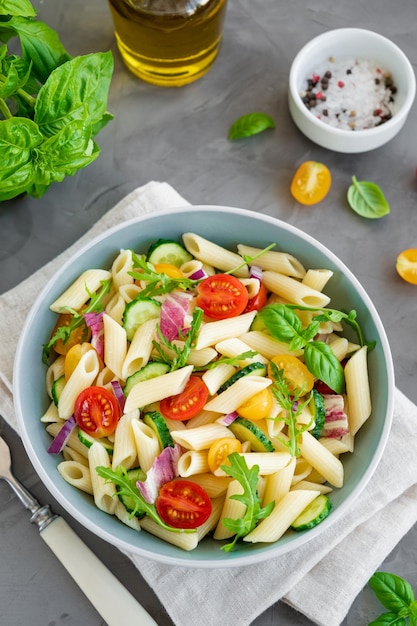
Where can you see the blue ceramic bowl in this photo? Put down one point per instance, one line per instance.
(226, 226)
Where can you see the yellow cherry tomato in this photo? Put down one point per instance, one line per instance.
(220, 450)
(311, 182)
(73, 356)
(406, 265)
(295, 372)
(167, 268)
(258, 406)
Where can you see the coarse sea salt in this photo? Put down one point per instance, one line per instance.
(350, 94)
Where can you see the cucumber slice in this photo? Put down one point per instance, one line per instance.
(258, 324)
(137, 312)
(88, 441)
(318, 412)
(157, 422)
(168, 251)
(315, 513)
(150, 370)
(257, 369)
(56, 389)
(133, 475)
(245, 430)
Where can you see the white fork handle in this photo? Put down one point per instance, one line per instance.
(112, 601)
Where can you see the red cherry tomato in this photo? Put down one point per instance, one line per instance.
(97, 411)
(183, 504)
(188, 403)
(259, 301)
(222, 296)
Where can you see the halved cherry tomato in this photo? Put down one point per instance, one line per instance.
(78, 335)
(220, 450)
(73, 356)
(183, 504)
(406, 265)
(295, 372)
(258, 406)
(222, 296)
(185, 405)
(259, 301)
(97, 411)
(167, 268)
(311, 182)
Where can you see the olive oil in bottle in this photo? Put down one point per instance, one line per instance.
(168, 42)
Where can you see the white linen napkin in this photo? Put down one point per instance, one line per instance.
(323, 578)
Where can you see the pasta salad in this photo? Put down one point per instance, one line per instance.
(196, 390)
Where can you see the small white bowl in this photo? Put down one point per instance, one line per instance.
(359, 44)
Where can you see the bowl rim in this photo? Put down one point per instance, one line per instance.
(308, 48)
(241, 559)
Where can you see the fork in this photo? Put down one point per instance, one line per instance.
(109, 597)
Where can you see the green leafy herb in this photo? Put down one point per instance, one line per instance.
(367, 199)
(51, 105)
(248, 478)
(289, 399)
(396, 595)
(157, 283)
(228, 360)
(247, 258)
(250, 124)
(63, 332)
(285, 325)
(181, 354)
(120, 478)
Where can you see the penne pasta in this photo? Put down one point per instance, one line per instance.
(357, 390)
(213, 254)
(80, 291)
(293, 290)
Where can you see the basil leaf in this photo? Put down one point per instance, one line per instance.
(282, 323)
(82, 85)
(40, 44)
(323, 364)
(250, 124)
(17, 76)
(17, 7)
(392, 591)
(18, 136)
(367, 199)
(69, 150)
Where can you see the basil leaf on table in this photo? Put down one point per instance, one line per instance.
(367, 199)
(250, 124)
(83, 84)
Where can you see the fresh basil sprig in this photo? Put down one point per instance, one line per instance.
(284, 325)
(51, 105)
(250, 124)
(396, 595)
(367, 199)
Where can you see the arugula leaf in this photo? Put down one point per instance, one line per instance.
(290, 401)
(250, 124)
(181, 354)
(248, 478)
(119, 477)
(157, 283)
(367, 199)
(63, 332)
(228, 360)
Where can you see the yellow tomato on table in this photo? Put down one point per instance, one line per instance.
(311, 182)
(406, 265)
